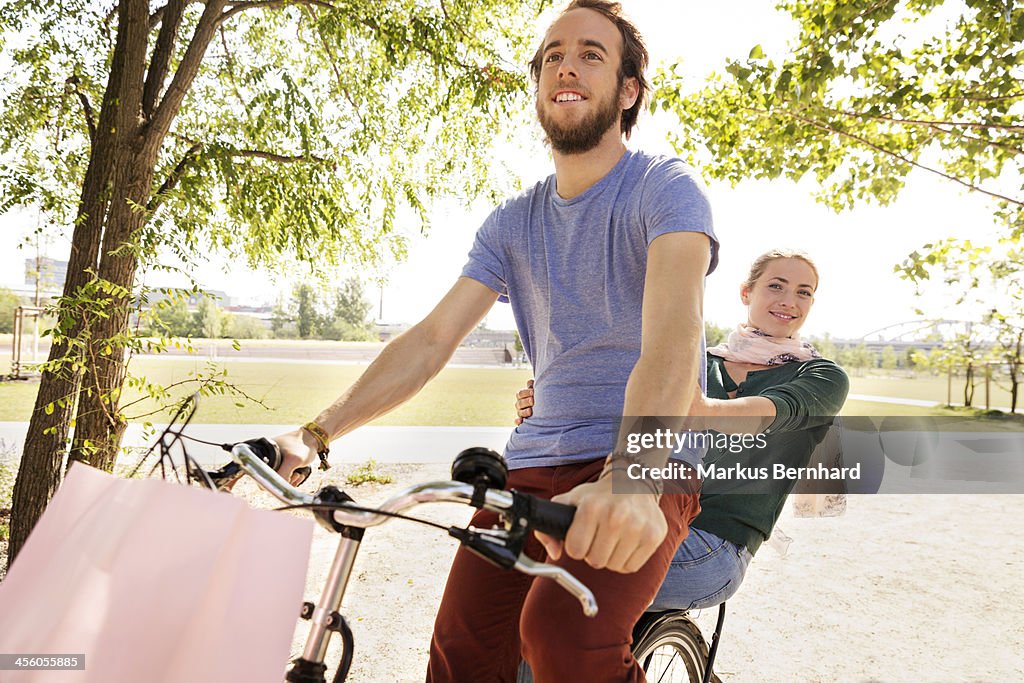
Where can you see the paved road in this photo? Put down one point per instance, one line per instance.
(894, 461)
(889, 399)
(313, 352)
(384, 444)
(918, 402)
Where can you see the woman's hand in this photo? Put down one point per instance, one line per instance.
(524, 403)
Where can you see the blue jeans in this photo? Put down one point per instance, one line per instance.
(705, 571)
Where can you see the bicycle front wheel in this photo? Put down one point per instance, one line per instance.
(671, 649)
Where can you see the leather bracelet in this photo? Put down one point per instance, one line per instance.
(323, 439)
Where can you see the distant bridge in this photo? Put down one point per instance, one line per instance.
(923, 335)
(915, 330)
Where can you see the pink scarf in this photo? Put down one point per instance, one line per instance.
(748, 344)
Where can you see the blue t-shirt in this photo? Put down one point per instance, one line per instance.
(573, 270)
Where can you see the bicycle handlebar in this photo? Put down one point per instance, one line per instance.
(546, 516)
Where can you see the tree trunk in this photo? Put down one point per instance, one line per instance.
(130, 133)
(39, 472)
(99, 425)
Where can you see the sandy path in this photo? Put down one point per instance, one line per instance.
(924, 588)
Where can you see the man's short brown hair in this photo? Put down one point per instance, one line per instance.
(634, 55)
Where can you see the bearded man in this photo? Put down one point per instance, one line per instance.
(603, 264)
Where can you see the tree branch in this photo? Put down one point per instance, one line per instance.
(163, 51)
(881, 150)
(457, 25)
(272, 156)
(160, 122)
(337, 73)
(348, 96)
(203, 383)
(158, 15)
(90, 120)
(987, 143)
(930, 124)
(231, 67)
(173, 177)
(252, 153)
(237, 7)
(982, 98)
(470, 39)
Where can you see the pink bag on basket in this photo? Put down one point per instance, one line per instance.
(157, 582)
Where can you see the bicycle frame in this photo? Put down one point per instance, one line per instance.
(326, 617)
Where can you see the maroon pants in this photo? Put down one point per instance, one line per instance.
(490, 617)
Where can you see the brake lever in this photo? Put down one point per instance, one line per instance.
(563, 578)
(225, 477)
(497, 547)
(493, 545)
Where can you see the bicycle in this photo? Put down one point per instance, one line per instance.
(666, 644)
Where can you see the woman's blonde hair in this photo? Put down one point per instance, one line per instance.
(762, 261)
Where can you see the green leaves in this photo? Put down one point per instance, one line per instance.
(987, 277)
(859, 101)
(304, 135)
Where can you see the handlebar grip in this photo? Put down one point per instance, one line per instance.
(266, 450)
(553, 519)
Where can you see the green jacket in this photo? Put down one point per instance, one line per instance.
(807, 396)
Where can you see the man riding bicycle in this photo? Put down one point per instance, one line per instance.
(603, 264)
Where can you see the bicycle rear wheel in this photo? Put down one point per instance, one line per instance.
(670, 648)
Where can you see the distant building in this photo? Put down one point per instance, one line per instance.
(216, 296)
(388, 331)
(50, 273)
(490, 338)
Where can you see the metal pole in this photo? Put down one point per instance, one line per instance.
(988, 381)
(949, 385)
(16, 345)
(35, 302)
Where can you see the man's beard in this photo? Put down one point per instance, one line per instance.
(586, 134)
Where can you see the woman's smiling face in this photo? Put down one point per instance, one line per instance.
(781, 298)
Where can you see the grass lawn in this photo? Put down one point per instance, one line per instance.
(926, 387)
(295, 392)
(959, 419)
